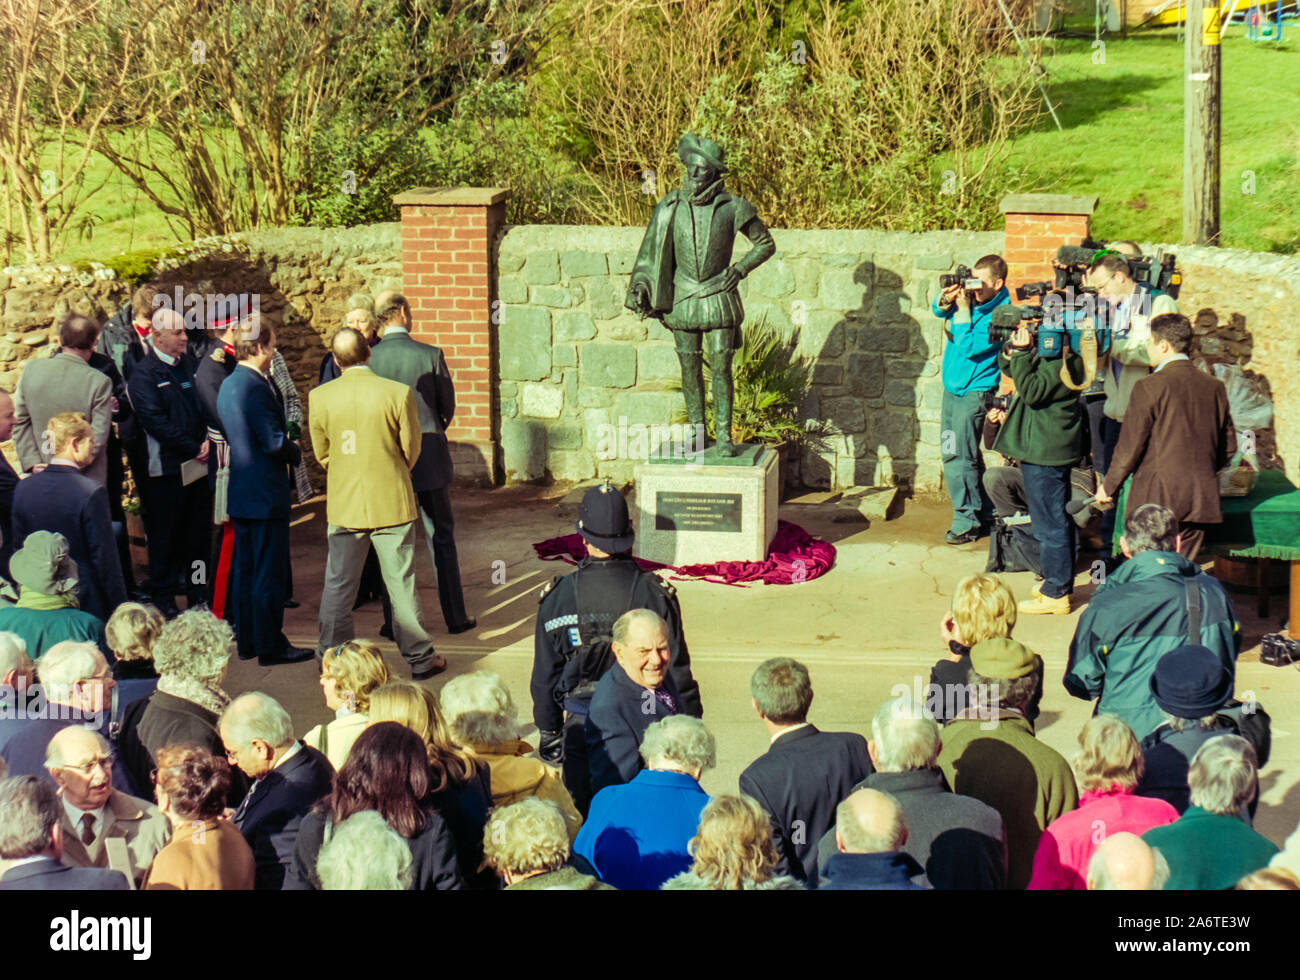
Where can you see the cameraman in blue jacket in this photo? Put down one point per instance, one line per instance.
(970, 371)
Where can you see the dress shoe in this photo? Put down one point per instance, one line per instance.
(1041, 605)
(966, 537)
(291, 603)
(291, 655)
(464, 627)
(439, 665)
(168, 609)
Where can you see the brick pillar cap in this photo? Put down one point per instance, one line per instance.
(485, 196)
(1046, 204)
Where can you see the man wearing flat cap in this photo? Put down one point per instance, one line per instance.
(990, 752)
(573, 641)
(685, 277)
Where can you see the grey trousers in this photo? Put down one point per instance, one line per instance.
(395, 548)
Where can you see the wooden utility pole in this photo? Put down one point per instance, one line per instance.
(1201, 100)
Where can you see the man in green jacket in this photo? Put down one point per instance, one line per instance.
(1046, 430)
(1210, 846)
(990, 752)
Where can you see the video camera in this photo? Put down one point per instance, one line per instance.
(1157, 271)
(990, 400)
(963, 277)
(1056, 325)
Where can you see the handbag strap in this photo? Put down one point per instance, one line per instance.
(1193, 611)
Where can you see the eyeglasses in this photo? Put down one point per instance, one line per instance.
(86, 768)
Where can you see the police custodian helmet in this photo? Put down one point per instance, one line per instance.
(603, 520)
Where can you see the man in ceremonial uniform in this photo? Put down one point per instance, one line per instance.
(572, 648)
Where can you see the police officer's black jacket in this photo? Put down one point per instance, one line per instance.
(606, 585)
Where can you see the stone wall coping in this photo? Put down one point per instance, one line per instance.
(447, 196)
(1047, 204)
(789, 241)
(1259, 264)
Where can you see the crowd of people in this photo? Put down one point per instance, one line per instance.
(127, 763)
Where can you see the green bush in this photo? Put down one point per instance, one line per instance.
(136, 266)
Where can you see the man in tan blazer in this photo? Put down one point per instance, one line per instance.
(365, 431)
(93, 813)
(1177, 435)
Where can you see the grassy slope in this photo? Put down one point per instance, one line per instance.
(1122, 141)
(1123, 137)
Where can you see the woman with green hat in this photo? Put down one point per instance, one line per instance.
(46, 612)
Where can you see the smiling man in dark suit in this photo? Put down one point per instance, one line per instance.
(289, 777)
(63, 499)
(31, 843)
(1177, 435)
(261, 454)
(634, 693)
(423, 369)
(806, 773)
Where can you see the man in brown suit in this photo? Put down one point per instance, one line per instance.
(1177, 436)
(365, 431)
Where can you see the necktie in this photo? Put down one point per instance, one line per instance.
(666, 699)
(87, 828)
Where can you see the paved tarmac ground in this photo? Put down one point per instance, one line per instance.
(868, 625)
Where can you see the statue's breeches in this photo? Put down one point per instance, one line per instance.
(706, 313)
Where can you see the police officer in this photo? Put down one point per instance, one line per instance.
(574, 622)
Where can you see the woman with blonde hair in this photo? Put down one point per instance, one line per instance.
(481, 717)
(131, 632)
(1108, 769)
(983, 608)
(460, 784)
(733, 850)
(350, 672)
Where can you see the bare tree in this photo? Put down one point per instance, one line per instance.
(233, 92)
(59, 92)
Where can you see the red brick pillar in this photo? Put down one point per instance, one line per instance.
(1037, 225)
(449, 277)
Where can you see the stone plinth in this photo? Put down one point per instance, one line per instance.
(689, 514)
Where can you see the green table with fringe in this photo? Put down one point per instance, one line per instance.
(1264, 525)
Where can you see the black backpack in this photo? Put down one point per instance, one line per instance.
(1013, 548)
(1247, 719)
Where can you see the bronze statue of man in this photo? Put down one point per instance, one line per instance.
(684, 276)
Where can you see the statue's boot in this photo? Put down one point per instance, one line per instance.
(723, 392)
(693, 391)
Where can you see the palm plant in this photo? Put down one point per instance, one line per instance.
(771, 382)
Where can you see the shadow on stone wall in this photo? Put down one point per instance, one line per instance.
(867, 374)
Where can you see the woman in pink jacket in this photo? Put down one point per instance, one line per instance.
(1108, 768)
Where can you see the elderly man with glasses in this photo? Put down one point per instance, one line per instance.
(94, 813)
(78, 692)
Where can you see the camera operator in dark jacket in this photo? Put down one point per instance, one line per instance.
(1046, 430)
